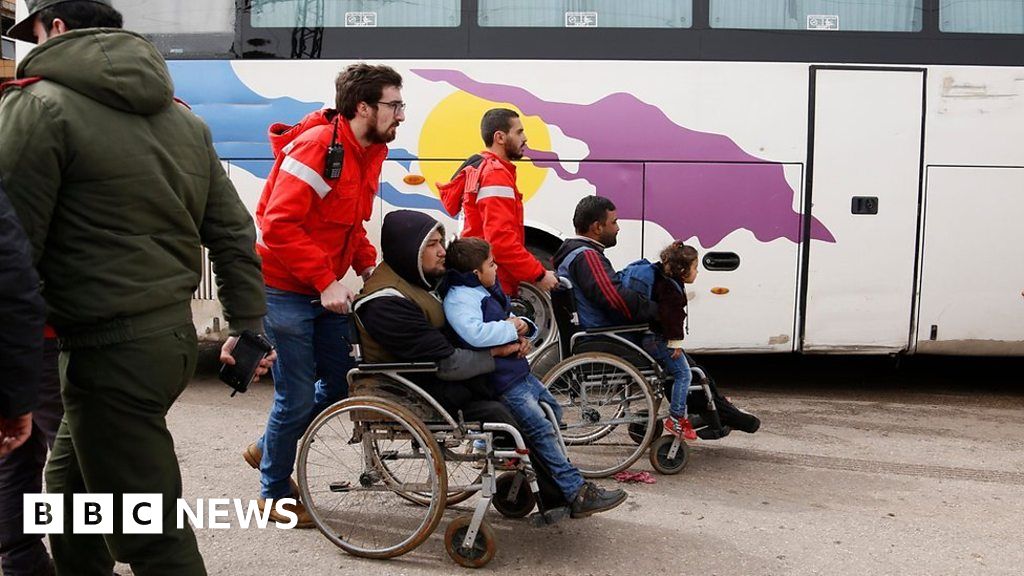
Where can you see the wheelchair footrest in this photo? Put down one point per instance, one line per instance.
(549, 517)
(709, 433)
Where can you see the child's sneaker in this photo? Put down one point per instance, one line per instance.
(678, 426)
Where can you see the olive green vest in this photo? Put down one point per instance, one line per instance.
(384, 278)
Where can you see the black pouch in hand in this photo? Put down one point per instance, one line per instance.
(250, 349)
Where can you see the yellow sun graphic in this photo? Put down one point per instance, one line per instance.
(451, 133)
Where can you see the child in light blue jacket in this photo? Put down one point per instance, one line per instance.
(479, 313)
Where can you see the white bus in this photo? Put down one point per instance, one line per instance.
(852, 171)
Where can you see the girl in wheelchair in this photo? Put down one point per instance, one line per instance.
(678, 267)
(478, 311)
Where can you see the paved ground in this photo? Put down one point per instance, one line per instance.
(859, 468)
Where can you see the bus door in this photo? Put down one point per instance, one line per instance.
(864, 177)
(742, 220)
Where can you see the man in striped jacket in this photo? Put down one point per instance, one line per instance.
(601, 298)
(310, 219)
(485, 190)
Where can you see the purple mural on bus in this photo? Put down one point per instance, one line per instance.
(697, 184)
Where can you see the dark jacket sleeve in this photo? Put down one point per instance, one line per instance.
(22, 314)
(227, 230)
(597, 280)
(32, 157)
(400, 326)
(671, 309)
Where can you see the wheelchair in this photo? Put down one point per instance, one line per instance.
(611, 391)
(533, 303)
(377, 469)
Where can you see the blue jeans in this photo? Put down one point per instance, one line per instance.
(523, 400)
(657, 347)
(313, 357)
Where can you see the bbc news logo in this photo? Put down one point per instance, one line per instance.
(143, 514)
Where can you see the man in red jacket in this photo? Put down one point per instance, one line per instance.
(310, 219)
(485, 189)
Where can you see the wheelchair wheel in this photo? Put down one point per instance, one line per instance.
(544, 359)
(533, 303)
(602, 397)
(462, 474)
(638, 430)
(343, 467)
(660, 459)
(521, 505)
(482, 550)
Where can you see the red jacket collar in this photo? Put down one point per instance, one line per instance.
(281, 135)
(505, 164)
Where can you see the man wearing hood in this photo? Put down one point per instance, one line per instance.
(402, 320)
(310, 217)
(118, 188)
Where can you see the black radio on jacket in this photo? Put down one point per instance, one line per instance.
(335, 156)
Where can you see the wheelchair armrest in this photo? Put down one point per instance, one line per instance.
(397, 367)
(616, 329)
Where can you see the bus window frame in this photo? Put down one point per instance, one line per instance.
(359, 43)
(955, 33)
(700, 42)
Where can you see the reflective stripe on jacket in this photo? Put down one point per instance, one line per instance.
(310, 228)
(493, 210)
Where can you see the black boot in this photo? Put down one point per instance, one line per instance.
(735, 418)
(591, 499)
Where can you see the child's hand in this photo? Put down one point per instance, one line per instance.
(677, 353)
(509, 349)
(525, 347)
(521, 326)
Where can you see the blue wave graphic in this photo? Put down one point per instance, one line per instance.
(402, 156)
(238, 117)
(398, 199)
(258, 168)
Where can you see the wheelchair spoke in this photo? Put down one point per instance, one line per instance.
(604, 401)
(351, 489)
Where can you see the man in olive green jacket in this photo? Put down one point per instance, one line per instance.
(118, 188)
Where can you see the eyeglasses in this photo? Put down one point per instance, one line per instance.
(396, 105)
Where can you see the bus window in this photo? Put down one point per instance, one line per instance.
(850, 15)
(586, 13)
(357, 14)
(982, 16)
(184, 28)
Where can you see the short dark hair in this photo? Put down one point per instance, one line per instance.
(363, 83)
(78, 14)
(590, 210)
(496, 120)
(467, 254)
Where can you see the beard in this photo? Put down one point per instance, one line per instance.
(513, 151)
(609, 239)
(434, 276)
(376, 136)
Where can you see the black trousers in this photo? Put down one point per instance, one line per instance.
(21, 472)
